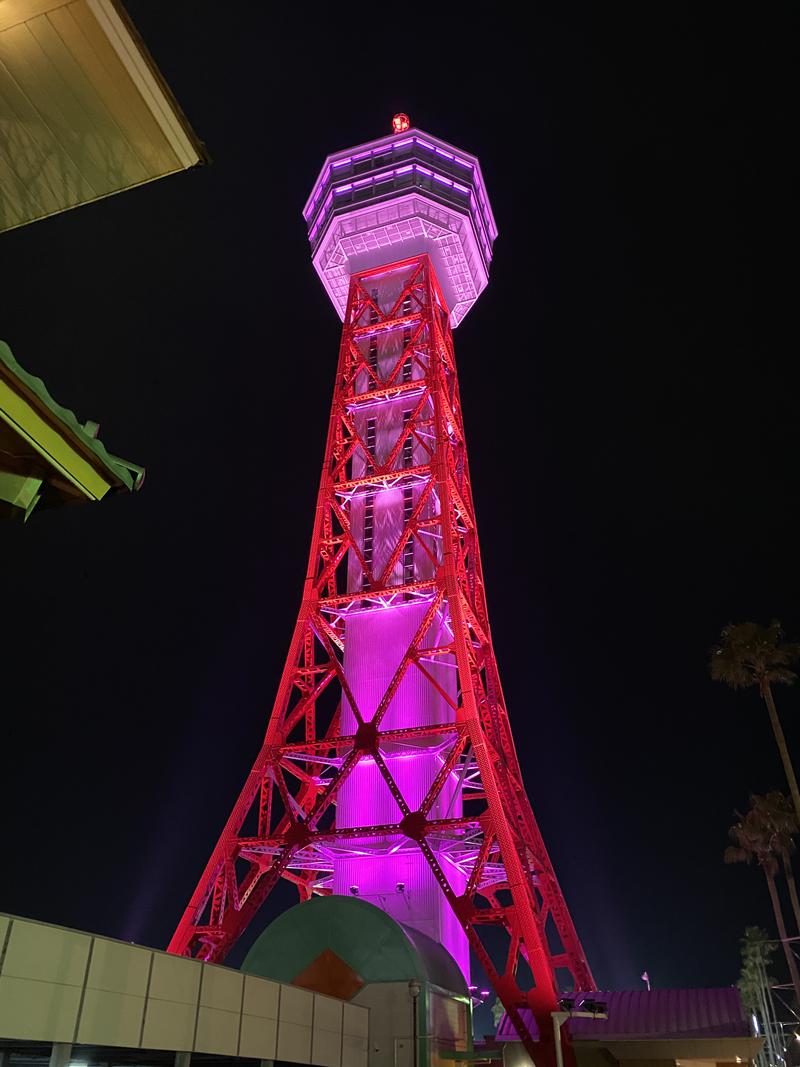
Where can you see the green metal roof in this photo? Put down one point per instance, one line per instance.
(378, 948)
(46, 452)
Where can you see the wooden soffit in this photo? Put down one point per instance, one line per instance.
(84, 111)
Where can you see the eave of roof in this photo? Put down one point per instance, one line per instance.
(88, 113)
(64, 451)
(199, 147)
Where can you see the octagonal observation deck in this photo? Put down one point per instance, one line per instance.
(396, 197)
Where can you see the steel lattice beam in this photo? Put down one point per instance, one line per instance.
(284, 821)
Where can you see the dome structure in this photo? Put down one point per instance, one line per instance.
(369, 943)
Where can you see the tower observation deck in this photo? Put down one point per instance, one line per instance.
(388, 770)
(397, 197)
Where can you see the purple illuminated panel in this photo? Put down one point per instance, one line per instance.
(391, 872)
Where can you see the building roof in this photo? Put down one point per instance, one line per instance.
(653, 1015)
(364, 938)
(84, 111)
(636, 1014)
(47, 456)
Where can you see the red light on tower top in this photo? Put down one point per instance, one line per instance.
(400, 123)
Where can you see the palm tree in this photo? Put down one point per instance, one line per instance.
(498, 1011)
(755, 986)
(776, 814)
(753, 842)
(757, 951)
(750, 654)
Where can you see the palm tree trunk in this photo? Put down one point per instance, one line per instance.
(787, 948)
(766, 692)
(787, 870)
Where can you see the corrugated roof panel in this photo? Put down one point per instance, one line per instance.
(641, 1014)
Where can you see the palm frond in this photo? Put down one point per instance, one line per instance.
(751, 654)
(782, 675)
(774, 818)
(732, 854)
(762, 834)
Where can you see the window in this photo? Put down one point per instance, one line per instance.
(369, 531)
(373, 312)
(370, 437)
(408, 502)
(408, 442)
(372, 360)
(407, 362)
(408, 547)
(369, 508)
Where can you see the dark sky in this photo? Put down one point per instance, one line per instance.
(633, 442)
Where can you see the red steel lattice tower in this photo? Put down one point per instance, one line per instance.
(388, 768)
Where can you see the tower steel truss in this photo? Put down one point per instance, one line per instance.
(472, 822)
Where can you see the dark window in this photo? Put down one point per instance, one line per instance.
(408, 547)
(408, 442)
(407, 362)
(369, 530)
(408, 502)
(369, 509)
(372, 360)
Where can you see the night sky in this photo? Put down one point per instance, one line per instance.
(633, 442)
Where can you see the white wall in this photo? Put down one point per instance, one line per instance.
(390, 1023)
(62, 985)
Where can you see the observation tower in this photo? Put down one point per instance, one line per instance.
(388, 770)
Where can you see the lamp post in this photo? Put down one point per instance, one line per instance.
(414, 990)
